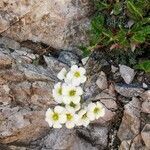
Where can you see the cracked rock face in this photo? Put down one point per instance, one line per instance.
(61, 24)
(26, 92)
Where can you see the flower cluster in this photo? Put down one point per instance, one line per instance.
(67, 94)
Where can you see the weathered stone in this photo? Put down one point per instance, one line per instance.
(54, 65)
(20, 125)
(67, 140)
(127, 73)
(68, 58)
(146, 106)
(130, 126)
(146, 135)
(102, 81)
(60, 24)
(36, 73)
(54, 141)
(97, 135)
(21, 92)
(5, 60)
(42, 94)
(113, 68)
(128, 90)
(124, 145)
(9, 43)
(107, 100)
(12, 75)
(137, 143)
(146, 95)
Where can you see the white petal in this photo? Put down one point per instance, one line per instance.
(79, 122)
(70, 125)
(61, 75)
(76, 118)
(83, 79)
(49, 112)
(99, 105)
(59, 109)
(62, 118)
(58, 100)
(76, 99)
(76, 82)
(79, 91)
(66, 100)
(91, 106)
(74, 68)
(91, 116)
(69, 76)
(86, 123)
(49, 122)
(57, 85)
(82, 70)
(102, 113)
(81, 113)
(57, 125)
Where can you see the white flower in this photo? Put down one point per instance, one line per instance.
(56, 117)
(72, 119)
(76, 75)
(95, 110)
(57, 92)
(71, 94)
(83, 118)
(62, 74)
(73, 107)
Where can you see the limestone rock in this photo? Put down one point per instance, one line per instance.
(102, 81)
(127, 73)
(124, 145)
(5, 60)
(97, 135)
(60, 24)
(68, 58)
(137, 143)
(128, 90)
(130, 125)
(146, 95)
(146, 135)
(146, 106)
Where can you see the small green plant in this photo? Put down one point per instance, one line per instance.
(120, 24)
(144, 65)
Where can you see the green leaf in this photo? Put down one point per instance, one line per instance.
(85, 50)
(117, 8)
(144, 65)
(101, 5)
(139, 37)
(136, 12)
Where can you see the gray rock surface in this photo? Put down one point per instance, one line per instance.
(102, 81)
(60, 24)
(130, 126)
(26, 92)
(146, 135)
(126, 73)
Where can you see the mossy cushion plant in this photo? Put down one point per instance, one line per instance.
(122, 26)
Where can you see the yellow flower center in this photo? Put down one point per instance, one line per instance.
(69, 117)
(72, 105)
(55, 116)
(77, 74)
(96, 110)
(72, 93)
(60, 91)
